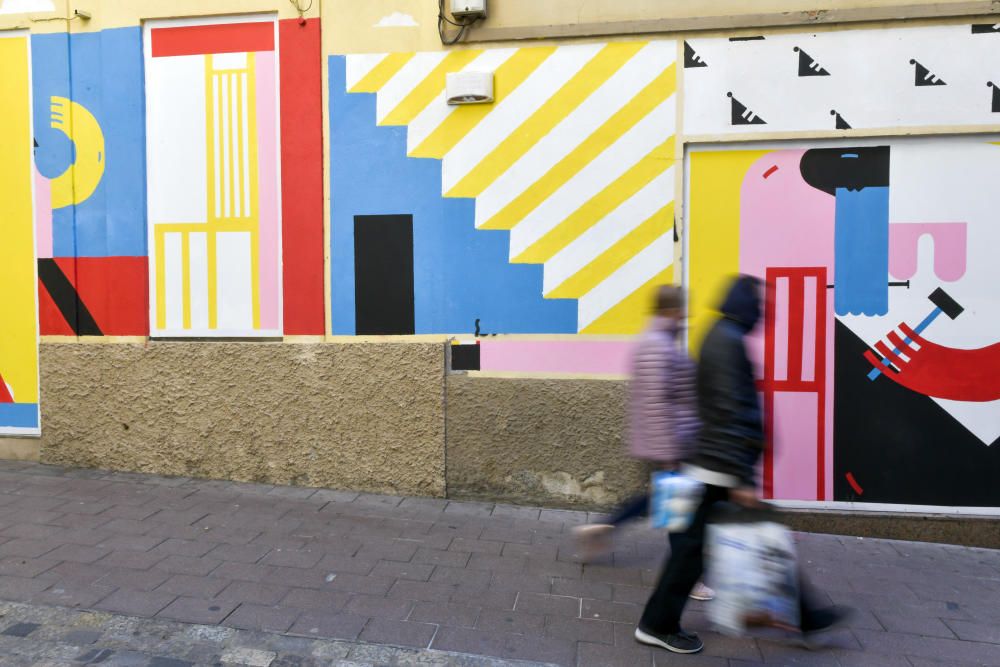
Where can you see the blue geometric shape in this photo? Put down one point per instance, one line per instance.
(460, 273)
(103, 72)
(861, 251)
(19, 415)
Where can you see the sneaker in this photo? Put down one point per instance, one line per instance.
(678, 642)
(828, 618)
(594, 539)
(702, 592)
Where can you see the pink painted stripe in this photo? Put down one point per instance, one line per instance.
(557, 356)
(795, 445)
(43, 215)
(267, 176)
(809, 330)
(781, 323)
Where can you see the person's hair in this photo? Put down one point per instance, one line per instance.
(669, 297)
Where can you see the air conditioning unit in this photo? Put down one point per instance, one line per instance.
(467, 9)
(469, 87)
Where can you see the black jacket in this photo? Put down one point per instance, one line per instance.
(731, 438)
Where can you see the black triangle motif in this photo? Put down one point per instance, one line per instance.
(923, 77)
(808, 66)
(841, 124)
(691, 58)
(996, 96)
(743, 116)
(985, 28)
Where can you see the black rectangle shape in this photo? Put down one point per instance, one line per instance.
(383, 274)
(465, 357)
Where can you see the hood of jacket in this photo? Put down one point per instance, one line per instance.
(742, 302)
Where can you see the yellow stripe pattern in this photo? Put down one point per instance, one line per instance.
(611, 258)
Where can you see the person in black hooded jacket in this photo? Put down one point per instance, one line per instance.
(728, 446)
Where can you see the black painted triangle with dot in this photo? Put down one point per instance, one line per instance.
(923, 76)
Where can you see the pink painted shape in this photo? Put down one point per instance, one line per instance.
(267, 189)
(43, 215)
(795, 445)
(809, 330)
(950, 244)
(786, 222)
(557, 356)
(781, 329)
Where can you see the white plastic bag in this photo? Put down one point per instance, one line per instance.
(673, 500)
(753, 569)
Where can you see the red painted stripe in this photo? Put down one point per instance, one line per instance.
(771, 277)
(217, 38)
(854, 484)
(770, 171)
(302, 176)
(5, 396)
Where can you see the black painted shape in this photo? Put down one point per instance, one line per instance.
(383, 274)
(808, 66)
(67, 299)
(465, 357)
(901, 446)
(923, 77)
(477, 327)
(839, 120)
(948, 305)
(746, 39)
(691, 58)
(996, 96)
(827, 169)
(741, 115)
(985, 28)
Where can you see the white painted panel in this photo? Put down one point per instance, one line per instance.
(173, 275)
(405, 80)
(635, 273)
(199, 280)
(233, 287)
(359, 65)
(229, 60)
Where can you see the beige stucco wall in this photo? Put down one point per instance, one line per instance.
(548, 442)
(360, 416)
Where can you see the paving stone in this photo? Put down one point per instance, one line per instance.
(193, 586)
(196, 610)
(616, 612)
(549, 605)
(336, 625)
(20, 629)
(493, 620)
(135, 603)
(442, 557)
(576, 629)
(253, 592)
(304, 558)
(398, 633)
(240, 553)
(188, 565)
(456, 615)
(260, 617)
(312, 600)
(379, 607)
(397, 570)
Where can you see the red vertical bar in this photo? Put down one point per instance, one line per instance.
(301, 88)
(820, 380)
(796, 308)
(770, 278)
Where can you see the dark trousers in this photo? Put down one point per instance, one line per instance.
(684, 568)
(635, 507)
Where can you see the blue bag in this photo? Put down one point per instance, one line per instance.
(673, 500)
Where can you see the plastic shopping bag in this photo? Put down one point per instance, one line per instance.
(753, 569)
(673, 500)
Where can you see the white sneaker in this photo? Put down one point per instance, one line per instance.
(702, 592)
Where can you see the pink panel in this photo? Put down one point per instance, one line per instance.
(781, 329)
(950, 239)
(557, 356)
(267, 175)
(43, 215)
(795, 445)
(809, 330)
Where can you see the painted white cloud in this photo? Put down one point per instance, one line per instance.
(26, 6)
(396, 20)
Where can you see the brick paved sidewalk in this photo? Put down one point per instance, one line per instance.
(474, 578)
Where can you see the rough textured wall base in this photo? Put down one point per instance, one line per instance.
(360, 416)
(547, 442)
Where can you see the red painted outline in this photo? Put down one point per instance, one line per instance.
(215, 38)
(770, 171)
(5, 396)
(854, 484)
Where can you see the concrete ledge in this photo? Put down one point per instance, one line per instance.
(964, 530)
(20, 449)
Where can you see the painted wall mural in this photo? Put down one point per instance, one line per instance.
(942, 75)
(18, 323)
(548, 211)
(879, 354)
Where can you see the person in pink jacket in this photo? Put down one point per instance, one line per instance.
(662, 413)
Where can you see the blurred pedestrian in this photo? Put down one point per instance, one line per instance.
(662, 414)
(728, 446)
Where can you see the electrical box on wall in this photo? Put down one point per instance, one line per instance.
(469, 87)
(468, 8)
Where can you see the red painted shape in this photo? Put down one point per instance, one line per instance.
(770, 171)
(216, 38)
(302, 176)
(5, 396)
(768, 383)
(116, 292)
(796, 317)
(50, 319)
(854, 484)
(819, 378)
(943, 372)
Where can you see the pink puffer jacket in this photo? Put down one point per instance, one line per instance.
(662, 413)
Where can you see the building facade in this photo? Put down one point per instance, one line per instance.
(256, 243)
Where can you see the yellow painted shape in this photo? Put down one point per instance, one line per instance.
(463, 119)
(658, 90)
(611, 197)
(591, 77)
(716, 178)
(615, 257)
(427, 90)
(381, 73)
(210, 176)
(18, 312)
(79, 181)
(629, 315)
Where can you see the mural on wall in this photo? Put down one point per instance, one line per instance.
(879, 354)
(548, 211)
(838, 80)
(18, 328)
(225, 232)
(90, 183)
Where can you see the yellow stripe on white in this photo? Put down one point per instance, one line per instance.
(611, 229)
(437, 112)
(382, 73)
(405, 80)
(614, 162)
(359, 65)
(635, 273)
(417, 99)
(582, 123)
(511, 111)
